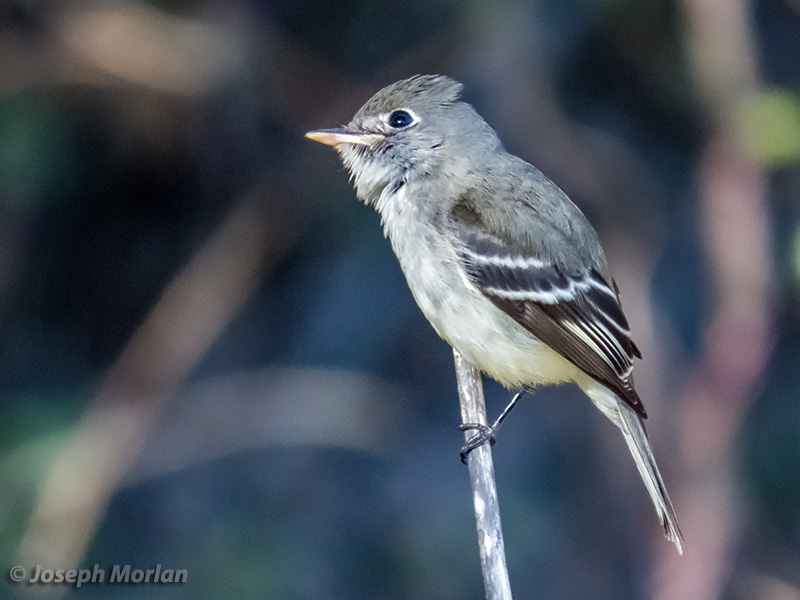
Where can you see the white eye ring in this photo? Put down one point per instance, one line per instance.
(401, 118)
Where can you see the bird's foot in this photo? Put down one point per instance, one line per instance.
(485, 433)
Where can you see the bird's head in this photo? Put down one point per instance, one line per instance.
(408, 130)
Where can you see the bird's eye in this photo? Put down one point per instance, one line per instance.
(400, 118)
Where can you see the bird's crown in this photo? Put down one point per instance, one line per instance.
(436, 90)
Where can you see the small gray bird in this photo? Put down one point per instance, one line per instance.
(505, 267)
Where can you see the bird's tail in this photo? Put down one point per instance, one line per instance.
(633, 429)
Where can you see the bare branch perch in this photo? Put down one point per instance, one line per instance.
(484, 490)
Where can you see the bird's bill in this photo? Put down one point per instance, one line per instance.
(334, 137)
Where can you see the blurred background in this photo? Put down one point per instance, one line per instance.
(209, 358)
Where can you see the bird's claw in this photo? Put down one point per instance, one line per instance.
(485, 433)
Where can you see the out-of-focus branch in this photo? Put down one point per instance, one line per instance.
(273, 406)
(194, 308)
(125, 42)
(738, 339)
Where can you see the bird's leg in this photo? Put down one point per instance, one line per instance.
(486, 433)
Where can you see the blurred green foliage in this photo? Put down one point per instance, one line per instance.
(770, 126)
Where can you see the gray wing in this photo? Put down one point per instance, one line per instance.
(573, 309)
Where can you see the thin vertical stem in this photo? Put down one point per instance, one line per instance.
(484, 490)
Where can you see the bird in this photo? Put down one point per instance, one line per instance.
(504, 266)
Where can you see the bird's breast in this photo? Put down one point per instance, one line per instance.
(457, 309)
